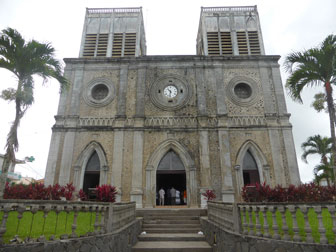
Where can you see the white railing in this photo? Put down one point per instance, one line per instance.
(113, 10)
(229, 9)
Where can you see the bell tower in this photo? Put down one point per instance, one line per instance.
(228, 31)
(113, 32)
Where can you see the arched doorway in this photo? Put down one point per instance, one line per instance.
(92, 173)
(171, 174)
(250, 169)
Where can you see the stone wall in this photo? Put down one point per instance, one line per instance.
(121, 240)
(227, 241)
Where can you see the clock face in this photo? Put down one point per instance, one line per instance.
(170, 91)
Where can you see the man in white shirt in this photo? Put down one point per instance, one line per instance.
(161, 200)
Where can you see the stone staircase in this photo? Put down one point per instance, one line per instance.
(173, 230)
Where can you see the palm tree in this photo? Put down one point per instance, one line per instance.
(24, 59)
(317, 145)
(315, 67)
(324, 171)
(323, 147)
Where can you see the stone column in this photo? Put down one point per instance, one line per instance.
(136, 192)
(121, 103)
(293, 170)
(220, 92)
(204, 159)
(140, 92)
(239, 179)
(67, 155)
(267, 177)
(192, 194)
(201, 96)
(277, 156)
(117, 162)
(103, 175)
(225, 162)
(77, 177)
(76, 91)
(52, 158)
(149, 191)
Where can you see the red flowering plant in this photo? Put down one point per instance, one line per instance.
(36, 191)
(209, 195)
(301, 193)
(106, 193)
(82, 195)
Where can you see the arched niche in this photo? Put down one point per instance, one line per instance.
(152, 166)
(251, 158)
(95, 151)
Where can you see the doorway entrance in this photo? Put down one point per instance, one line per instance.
(171, 174)
(91, 175)
(250, 170)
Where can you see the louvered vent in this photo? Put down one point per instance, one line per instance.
(130, 41)
(242, 43)
(90, 45)
(254, 42)
(213, 43)
(226, 43)
(102, 45)
(117, 44)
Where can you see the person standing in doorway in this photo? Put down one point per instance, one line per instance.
(173, 195)
(161, 197)
(178, 199)
(185, 197)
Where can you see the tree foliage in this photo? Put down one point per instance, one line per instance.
(24, 59)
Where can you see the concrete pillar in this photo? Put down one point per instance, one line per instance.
(54, 148)
(117, 162)
(67, 154)
(121, 103)
(140, 93)
(293, 170)
(76, 91)
(77, 177)
(267, 91)
(239, 178)
(149, 191)
(204, 159)
(136, 192)
(277, 157)
(220, 92)
(278, 89)
(192, 194)
(103, 175)
(225, 162)
(201, 96)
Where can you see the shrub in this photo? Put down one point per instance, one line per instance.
(82, 195)
(301, 193)
(209, 195)
(106, 193)
(37, 191)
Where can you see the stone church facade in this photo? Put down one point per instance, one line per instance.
(215, 120)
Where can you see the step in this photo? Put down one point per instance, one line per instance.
(162, 221)
(171, 217)
(172, 230)
(172, 246)
(173, 226)
(171, 237)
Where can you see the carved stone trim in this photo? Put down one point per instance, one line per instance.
(240, 101)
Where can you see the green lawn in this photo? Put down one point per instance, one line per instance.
(312, 218)
(34, 225)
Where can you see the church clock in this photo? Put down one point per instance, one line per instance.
(170, 92)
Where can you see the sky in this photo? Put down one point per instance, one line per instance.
(171, 29)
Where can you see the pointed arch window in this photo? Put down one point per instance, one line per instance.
(171, 162)
(250, 169)
(92, 172)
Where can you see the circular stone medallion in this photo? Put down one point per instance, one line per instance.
(99, 92)
(242, 91)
